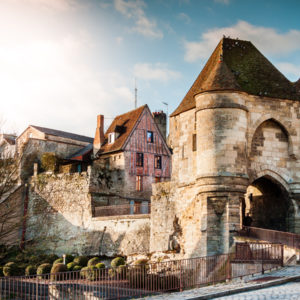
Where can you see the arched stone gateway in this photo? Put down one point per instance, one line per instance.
(269, 205)
(235, 139)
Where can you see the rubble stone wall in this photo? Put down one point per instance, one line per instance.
(60, 220)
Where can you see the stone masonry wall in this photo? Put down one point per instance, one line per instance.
(239, 138)
(60, 220)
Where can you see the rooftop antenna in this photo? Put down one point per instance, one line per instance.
(135, 94)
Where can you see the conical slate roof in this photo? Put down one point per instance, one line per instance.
(238, 65)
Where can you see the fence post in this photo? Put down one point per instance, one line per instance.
(181, 287)
(37, 288)
(282, 253)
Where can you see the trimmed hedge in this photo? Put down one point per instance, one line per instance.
(58, 261)
(43, 269)
(118, 261)
(77, 268)
(93, 261)
(81, 260)
(56, 269)
(71, 266)
(30, 270)
(100, 266)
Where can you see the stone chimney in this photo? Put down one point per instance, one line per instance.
(160, 118)
(99, 135)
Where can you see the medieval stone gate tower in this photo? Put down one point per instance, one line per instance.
(235, 139)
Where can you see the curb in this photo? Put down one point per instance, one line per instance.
(246, 289)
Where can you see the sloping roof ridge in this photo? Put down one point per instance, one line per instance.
(61, 133)
(129, 112)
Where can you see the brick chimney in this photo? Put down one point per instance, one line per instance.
(99, 135)
(160, 118)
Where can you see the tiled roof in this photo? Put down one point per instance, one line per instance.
(126, 122)
(238, 65)
(82, 152)
(10, 139)
(64, 134)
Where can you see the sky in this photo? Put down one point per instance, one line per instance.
(63, 62)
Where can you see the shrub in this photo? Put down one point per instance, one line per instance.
(118, 261)
(92, 273)
(58, 268)
(83, 272)
(49, 161)
(100, 266)
(43, 269)
(1, 272)
(30, 270)
(58, 261)
(141, 262)
(93, 261)
(112, 273)
(77, 268)
(81, 260)
(71, 266)
(11, 264)
(69, 258)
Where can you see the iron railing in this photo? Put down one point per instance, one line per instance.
(130, 281)
(267, 252)
(287, 238)
(117, 210)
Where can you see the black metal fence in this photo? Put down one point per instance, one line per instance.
(126, 282)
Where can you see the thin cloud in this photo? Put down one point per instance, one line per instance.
(266, 39)
(292, 71)
(155, 72)
(134, 10)
(184, 18)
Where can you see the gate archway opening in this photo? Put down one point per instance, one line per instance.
(268, 204)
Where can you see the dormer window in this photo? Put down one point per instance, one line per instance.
(111, 137)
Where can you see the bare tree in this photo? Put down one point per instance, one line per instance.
(11, 194)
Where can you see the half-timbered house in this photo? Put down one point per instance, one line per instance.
(131, 155)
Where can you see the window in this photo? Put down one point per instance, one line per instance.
(139, 159)
(139, 183)
(150, 136)
(157, 162)
(111, 137)
(194, 142)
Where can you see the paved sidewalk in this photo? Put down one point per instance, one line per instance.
(249, 283)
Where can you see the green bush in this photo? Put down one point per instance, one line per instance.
(81, 260)
(58, 268)
(118, 261)
(30, 270)
(1, 272)
(11, 264)
(92, 273)
(69, 258)
(93, 261)
(71, 266)
(43, 269)
(77, 268)
(83, 272)
(100, 266)
(49, 161)
(141, 262)
(58, 261)
(112, 273)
